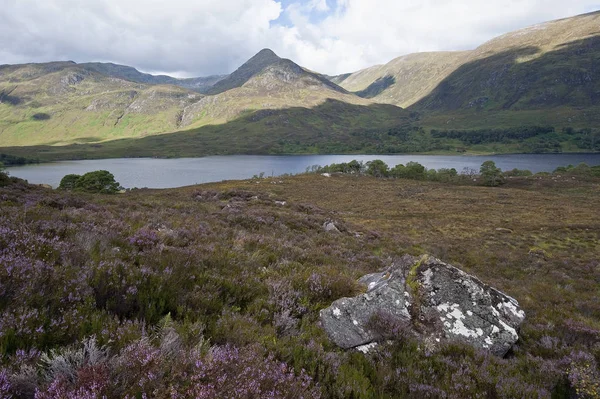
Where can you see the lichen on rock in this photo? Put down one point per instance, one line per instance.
(437, 301)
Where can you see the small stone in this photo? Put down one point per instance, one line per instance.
(330, 227)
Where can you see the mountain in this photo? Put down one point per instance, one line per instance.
(267, 60)
(547, 65)
(404, 80)
(63, 102)
(544, 74)
(265, 82)
(200, 85)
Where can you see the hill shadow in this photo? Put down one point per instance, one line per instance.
(7, 98)
(520, 79)
(377, 87)
(331, 127)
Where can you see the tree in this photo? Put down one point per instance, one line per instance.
(492, 176)
(99, 181)
(354, 166)
(68, 182)
(377, 168)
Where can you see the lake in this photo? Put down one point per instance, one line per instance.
(167, 173)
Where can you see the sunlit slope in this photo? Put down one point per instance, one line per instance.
(555, 64)
(279, 85)
(404, 80)
(59, 103)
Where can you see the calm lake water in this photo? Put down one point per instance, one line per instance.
(166, 173)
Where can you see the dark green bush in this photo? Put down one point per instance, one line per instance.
(99, 181)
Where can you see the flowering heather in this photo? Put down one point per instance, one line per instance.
(215, 291)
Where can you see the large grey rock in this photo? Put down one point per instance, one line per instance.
(438, 302)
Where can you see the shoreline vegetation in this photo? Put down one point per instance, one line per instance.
(403, 139)
(215, 290)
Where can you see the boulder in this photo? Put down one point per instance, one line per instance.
(436, 302)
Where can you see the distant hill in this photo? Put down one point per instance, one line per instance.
(547, 75)
(404, 80)
(200, 85)
(63, 102)
(544, 74)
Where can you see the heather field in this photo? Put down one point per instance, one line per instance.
(215, 290)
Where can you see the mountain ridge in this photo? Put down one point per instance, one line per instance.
(546, 74)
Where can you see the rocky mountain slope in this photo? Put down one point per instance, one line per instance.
(200, 84)
(265, 82)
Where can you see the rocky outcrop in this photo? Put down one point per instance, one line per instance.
(432, 300)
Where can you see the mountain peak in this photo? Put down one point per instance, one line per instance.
(266, 52)
(264, 58)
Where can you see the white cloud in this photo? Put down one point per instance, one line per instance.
(367, 32)
(201, 37)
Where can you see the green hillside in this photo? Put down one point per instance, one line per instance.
(65, 103)
(543, 74)
(332, 127)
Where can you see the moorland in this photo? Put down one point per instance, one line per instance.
(215, 290)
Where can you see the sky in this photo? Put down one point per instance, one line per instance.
(187, 38)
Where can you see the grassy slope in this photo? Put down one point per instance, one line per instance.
(544, 74)
(227, 262)
(80, 106)
(332, 127)
(72, 104)
(410, 77)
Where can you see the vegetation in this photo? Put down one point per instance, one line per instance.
(100, 181)
(490, 174)
(215, 290)
(533, 139)
(9, 160)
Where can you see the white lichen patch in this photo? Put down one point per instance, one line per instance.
(510, 330)
(454, 321)
(427, 274)
(487, 342)
(366, 348)
(510, 307)
(355, 322)
(337, 312)
(372, 285)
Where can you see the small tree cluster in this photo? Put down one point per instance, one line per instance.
(99, 181)
(491, 175)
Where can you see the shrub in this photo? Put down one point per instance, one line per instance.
(492, 176)
(99, 181)
(377, 168)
